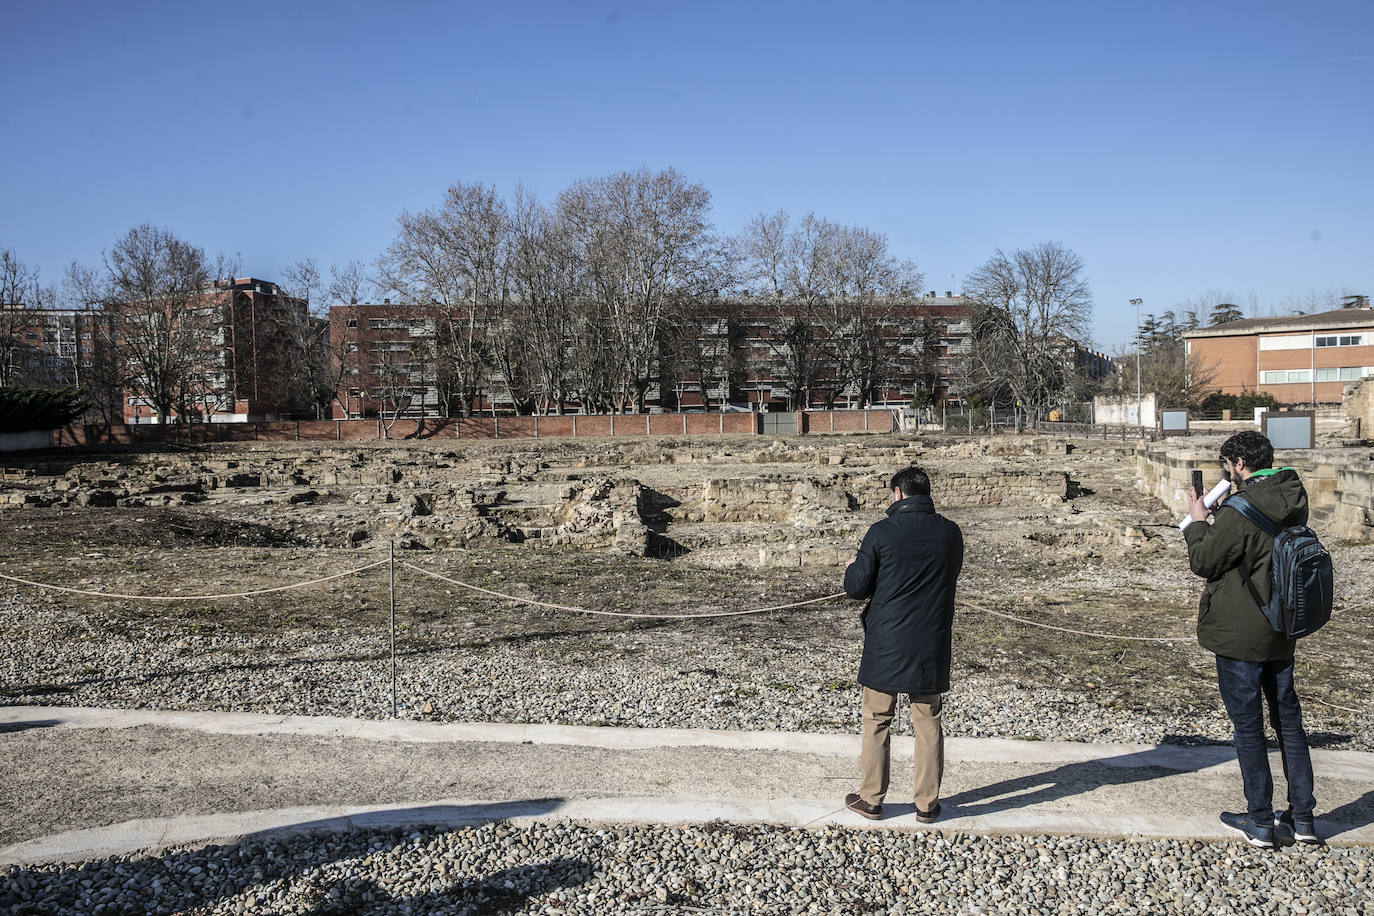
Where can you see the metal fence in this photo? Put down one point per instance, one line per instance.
(1122, 432)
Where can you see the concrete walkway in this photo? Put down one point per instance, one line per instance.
(87, 783)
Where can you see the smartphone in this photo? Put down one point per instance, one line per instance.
(1197, 484)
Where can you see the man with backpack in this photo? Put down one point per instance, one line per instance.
(1254, 659)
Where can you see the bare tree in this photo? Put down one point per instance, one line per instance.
(762, 251)
(104, 369)
(397, 375)
(350, 284)
(782, 268)
(452, 260)
(833, 289)
(703, 350)
(19, 296)
(165, 305)
(645, 241)
(1031, 309)
(547, 282)
(313, 373)
(1166, 369)
(862, 284)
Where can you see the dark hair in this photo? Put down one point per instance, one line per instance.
(911, 481)
(1255, 448)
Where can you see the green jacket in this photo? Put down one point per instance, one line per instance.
(1229, 623)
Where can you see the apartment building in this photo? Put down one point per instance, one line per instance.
(42, 346)
(240, 345)
(918, 342)
(384, 357)
(1299, 359)
(387, 358)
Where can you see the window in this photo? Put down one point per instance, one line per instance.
(351, 323)
(1285, 342)
(1350, 340)
(1299, 375)
(1341, 340)
(1273, 378)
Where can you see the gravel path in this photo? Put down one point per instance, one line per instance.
(688, 677)
(713, 868)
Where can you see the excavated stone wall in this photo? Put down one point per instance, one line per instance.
(1340, 483)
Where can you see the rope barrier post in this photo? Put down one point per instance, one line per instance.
(391, 556)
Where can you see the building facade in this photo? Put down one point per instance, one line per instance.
(389, 359)
(1299, 359)
(42, 347)
(384, 359)
(238, 353)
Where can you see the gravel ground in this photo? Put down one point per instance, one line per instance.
(712, 868)
(643, 678)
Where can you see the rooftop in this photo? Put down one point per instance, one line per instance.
(1350, 317)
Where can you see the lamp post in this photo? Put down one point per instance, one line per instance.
(1139, 419)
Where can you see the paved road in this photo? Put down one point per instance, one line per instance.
(82, 783)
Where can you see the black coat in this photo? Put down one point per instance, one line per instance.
(907, 565)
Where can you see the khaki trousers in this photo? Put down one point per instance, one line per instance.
(875, 748)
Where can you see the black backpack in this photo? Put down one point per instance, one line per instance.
(1299, 575)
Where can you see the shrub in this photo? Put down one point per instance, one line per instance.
(1243, 403)
(24, 409)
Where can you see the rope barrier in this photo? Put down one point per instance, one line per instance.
(1333, 705)
(599, 613)
(262, 591)
(583, 610)
(1046, 626)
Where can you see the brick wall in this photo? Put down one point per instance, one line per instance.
(1229, 360)
(667, 424)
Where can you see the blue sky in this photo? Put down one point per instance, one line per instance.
(1177, 147)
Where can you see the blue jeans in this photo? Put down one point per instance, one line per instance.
(1242, 685)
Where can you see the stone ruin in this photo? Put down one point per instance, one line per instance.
(786, 502)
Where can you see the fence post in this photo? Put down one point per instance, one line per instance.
(391, 554)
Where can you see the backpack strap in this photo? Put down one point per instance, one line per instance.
(1247, 509)
(1263, 523)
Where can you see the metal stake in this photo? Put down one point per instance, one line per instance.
(391, 548)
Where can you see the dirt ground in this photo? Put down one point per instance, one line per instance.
(1103, 559)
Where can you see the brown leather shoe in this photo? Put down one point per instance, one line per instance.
(854, 802)
(928, 817)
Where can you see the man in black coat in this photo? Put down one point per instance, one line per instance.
(907, 567)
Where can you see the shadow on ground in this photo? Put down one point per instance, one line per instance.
(312, 865)
(9, 727)
(1076, 778)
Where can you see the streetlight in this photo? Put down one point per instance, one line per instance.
(1139, 419)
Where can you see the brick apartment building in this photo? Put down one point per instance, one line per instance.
(1299, 359)
(923, 339)
(245, 343)
(383, 355)
(385, 359)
